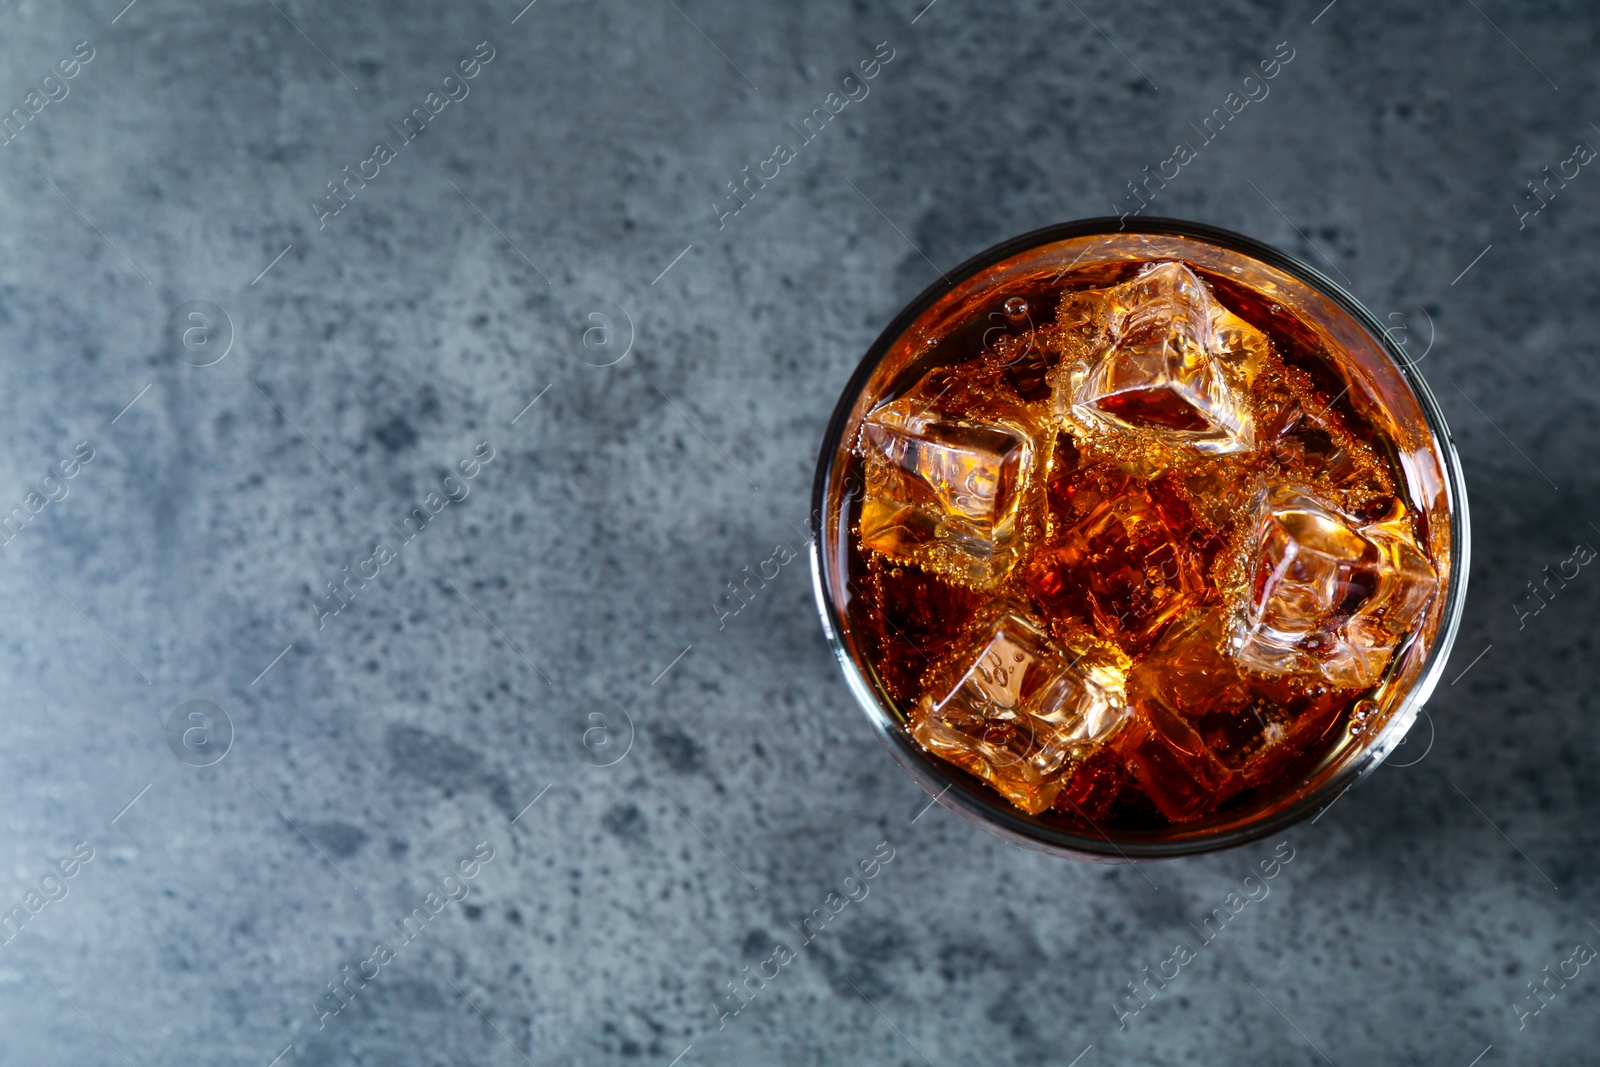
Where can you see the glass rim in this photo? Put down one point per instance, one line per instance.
(966, 796)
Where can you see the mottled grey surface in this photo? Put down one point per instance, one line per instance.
(510, 644)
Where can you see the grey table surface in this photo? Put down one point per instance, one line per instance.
(649, 796)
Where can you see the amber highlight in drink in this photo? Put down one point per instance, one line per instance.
(1141, 536)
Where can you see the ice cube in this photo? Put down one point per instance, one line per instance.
(945, 489)
(1282, 720)
(1311, 443)
(1329, 596)
(1171, 763)
(1165, 359)
(1020, 710)
(1312, 446)
(1123, 562)
(1252, 727)
(1219, 494)
(1189, 671)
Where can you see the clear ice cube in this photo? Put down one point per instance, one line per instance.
(1165, 358)
(1189, 671)
(945, 490)
(1308, 442)
(1312, 446)
(1329, 596)
(1121, 561)
(1172, 764)
(1020, 710)
(1252, 727)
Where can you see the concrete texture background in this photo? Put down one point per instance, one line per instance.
(524, 637)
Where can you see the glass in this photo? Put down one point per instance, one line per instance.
(962, 486)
